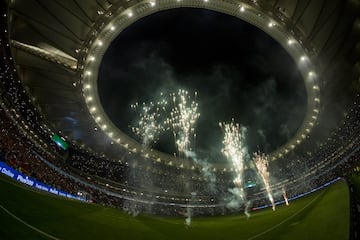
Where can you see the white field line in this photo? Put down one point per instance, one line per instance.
(285, 220)
(27, 224)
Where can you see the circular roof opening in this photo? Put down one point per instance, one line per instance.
(238, 71)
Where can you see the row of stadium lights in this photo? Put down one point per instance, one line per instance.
(311, 76)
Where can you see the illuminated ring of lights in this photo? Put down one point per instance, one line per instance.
(117, 18)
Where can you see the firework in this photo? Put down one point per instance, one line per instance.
(233, 150)
(183, 117)
(247, 207)
(150, 125)
(262, 163)
(285, 196)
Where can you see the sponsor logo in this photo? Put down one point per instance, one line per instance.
(54, 191)
(41, 187)
(7, 172)
(25, 180)
(62, 194)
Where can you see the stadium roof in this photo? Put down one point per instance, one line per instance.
(57, 44)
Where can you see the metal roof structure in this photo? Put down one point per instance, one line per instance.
(58, 46)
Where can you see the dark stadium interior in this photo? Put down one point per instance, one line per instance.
(289, 71)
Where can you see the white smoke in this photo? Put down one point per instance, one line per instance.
(188, 218)
(236, 199)
(131, 208)
(205, 170)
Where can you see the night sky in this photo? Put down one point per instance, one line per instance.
(238, 71)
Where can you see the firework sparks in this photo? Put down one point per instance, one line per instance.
(183, 117)
(233, 150)
(285, 196)
(262, 163)
(149, 125)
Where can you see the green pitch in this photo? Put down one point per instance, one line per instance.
(27, 214)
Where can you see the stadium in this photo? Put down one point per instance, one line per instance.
(173, 119)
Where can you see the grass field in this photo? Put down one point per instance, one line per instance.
(27, 214)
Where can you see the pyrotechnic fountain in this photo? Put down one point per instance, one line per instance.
(183, 117)
(261, 163)
(233, 150)
(285, 196)
(149, 127)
